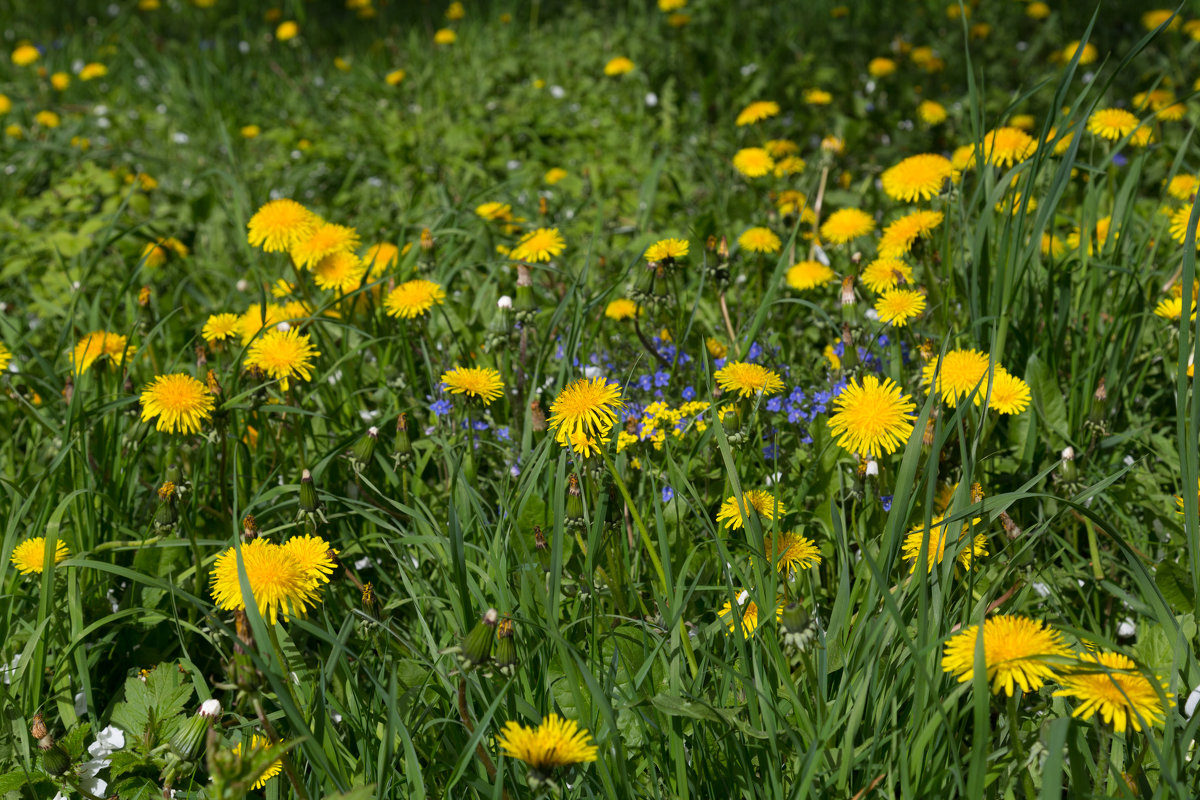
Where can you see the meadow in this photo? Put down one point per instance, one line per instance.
(655, 398)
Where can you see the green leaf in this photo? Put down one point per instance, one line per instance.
(155, 704)
(1176, 586)
(122, 762)
(137, 788)
(75, 741)
(357, 793)
(1048, 400)
(19, 779)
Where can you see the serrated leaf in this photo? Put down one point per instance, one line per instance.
(1175, 585)
(155, 703)
(19, 779)
(122, 762)
(137, 788)
(75, 742)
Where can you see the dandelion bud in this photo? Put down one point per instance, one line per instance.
(38, 729)
(543, 208)
(477, 647)
(1010, 527)
(848, 291)
(976, 493)
(574, 501)
(539, 538)
(1068, 454)
(403, 447)
(370, 603)
(506, 649)
(930, 429)
(427, 242)
(797, 625)
(505, 303)
(189, 738)
(723, 249)
(524, 306)
(364, 451)
(537, 416)
(167, 513)
(144, 296)
(872, 469)
(54, 759)
(308, 493)
(249, 528)
(849, 349)
(214, 386)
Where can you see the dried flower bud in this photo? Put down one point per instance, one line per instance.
(249, 528)
(38, 729)
(369, 602)
(427, 242)
(477, 646)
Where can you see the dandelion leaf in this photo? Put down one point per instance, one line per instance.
(153, 706)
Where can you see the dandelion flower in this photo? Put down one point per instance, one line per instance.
(283, 355)
(379, 258)
(101, 344)
(846, 225)
(881, 67)
(618, 66)
(959, 372)
(586, 408)
(24, 55)
(325, 240)
(493, 211)
(885, 273)
(621, 308)
(554, 175)
(1037, 10)
(753, 162)
(259, 744)
(808, 275)
(541, 244)
(445, 36)
(280, 585)
(180, 402)
(873, 418)
(933, 543)
(395, 77)
(1183, 187)
(749, 613)
(220, 327)
(667, 250)
(898, 306)
(780, 148)
(748, 379)
(817, 97)
(479, 383)
(256, 318)
(1111, 123)
(313, 556)
(1010, 394)
(1087, 52)
(341, 271)
(47, 119)
(1111, 684)
(790, 165)
(792, 553)
(280, 225)
(1005, 147)
(1179, 225)
(556, 742)
(757, 112)
(730, 512)
(1016, 650)
(760, 240)
(30, 555)
(931, 112)
(5, 357)
(413, 298)
(918, 177)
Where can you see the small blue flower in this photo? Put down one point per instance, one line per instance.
(645, 382)
(775, 404)
(502, 434)
(755, 352)
(770, 452)
(689, 393)
(480, 425)
(667, 494)
(662, 378)
(886, 501)
(441, 407)
(1119, 160)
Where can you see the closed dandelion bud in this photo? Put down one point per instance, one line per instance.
(524, 306)
(848, 299)
(710, 244)
(849, 349)
(364, 451)
(477, 647)
(54, 759)
(38, 728)
(723, 249)
(249, 528)
(144, 296)
(537, 416)
(574, 502)
(543, 208)
(506, 649)
(188, 739)
(214, 385)
(370, 603)
(403, 446)
(427, 242)
(308, 493)
(797, 625)
(1099, 406)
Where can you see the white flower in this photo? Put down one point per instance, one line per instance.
(1189, 705)
(107, 741)
(210, 708)
(80, 705)
(651, 99)
(1127, 628)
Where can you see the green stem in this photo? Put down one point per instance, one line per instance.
(1014, 733)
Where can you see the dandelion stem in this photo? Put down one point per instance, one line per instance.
(284, 759)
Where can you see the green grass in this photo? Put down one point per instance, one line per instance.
(617, 623)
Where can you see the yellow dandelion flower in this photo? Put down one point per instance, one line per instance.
(1004, 147)
(1010, 394)
(753, 162)
(748, 610)
(554, 175)
(881, 67)
(621, 308)
(478, 383)
(789, 165)
(585, 411)
(180, 402)
(748, 379)
(780, 148)
(1037, 10)
(885, 273)
(29, 556)
(541, 244)
(1087, 53)
(1111, 684)
(1183, 187)
(846, 225)
(47, 119)
(899, 235)
(809, 275)
(898, 306)
(279, 583)
(24, 55)
(341, 271)
(257, 318)
(931, 112)
(493, 211)
(1111, 123)
(618, 66)
(283, 355)
(259, 744)
(918, 177)
(413, 298)
(395, 77)
(715, 348)
(445, 36)
(792, 553)
(280, 225)
(556, 742)
(5, 357)
(101, 344)
(1179, 225)
(313, 556)
(932, 543)
(667, 250)
(817, 97)
(873, 418)
(1016, 650)
(958, 373)
(760, 240)
(732, 516)
(757, 112)
(220, 327)
(325, 240)
(379, 258)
